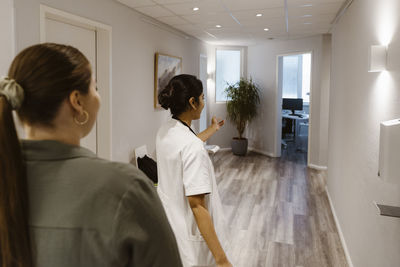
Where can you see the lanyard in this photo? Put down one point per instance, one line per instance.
(184, 123)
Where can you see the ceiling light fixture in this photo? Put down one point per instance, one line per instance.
(266, 29)
(306, 16)
(196, 9)
(307, 23)
(307, 5)
(259, 15)
(218, 26)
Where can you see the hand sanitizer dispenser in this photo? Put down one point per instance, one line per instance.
(389, 151)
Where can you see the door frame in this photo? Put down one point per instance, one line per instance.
(203, 56)
(103, 69)
(278, 106)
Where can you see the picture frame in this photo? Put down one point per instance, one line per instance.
(165, 67)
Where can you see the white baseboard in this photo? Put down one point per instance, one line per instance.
(342, 240)
(317, 167)
(269, 154)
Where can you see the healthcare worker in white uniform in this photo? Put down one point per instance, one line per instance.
(186, 179)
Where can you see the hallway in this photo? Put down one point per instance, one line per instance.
(278, 211)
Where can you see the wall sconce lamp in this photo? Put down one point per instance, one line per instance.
(377, 58)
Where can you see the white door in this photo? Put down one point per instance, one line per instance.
(203, 78)
(85, 40)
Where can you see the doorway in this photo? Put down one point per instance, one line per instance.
(93, 39)
(294, 92)
(85, 40)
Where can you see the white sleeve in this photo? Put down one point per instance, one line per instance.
(196, 170)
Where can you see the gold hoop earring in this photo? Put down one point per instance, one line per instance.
(82, 122)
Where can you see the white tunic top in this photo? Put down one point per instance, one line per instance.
(185, 169)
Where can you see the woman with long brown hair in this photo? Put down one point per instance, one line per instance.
(60, 205)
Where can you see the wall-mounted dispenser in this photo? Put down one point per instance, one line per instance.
(389, 151)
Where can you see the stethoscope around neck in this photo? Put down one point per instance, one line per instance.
(184, 123)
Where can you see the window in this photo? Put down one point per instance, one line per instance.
(296, 77)
(228, 71)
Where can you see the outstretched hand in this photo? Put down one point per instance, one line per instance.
(217, 123)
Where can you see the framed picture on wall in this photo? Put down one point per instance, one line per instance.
(166, 67)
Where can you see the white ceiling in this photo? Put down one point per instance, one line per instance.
(238, 20)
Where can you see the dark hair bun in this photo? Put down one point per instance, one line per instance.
(164, 97)
(178, 92)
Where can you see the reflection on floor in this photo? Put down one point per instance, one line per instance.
(277, 211)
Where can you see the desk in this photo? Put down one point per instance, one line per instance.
(304, 117)
(289, 116)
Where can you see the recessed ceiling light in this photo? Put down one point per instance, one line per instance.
(266, 29)
(259, 15)
(307, 5)
(307, 23)
(306, 16)
(218, 26)
(196, 9)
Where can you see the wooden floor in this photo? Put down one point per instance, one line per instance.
(277, 211)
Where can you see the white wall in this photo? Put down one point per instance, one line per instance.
(262, 67)
(134, 42)
(7, 35)
(359, 101)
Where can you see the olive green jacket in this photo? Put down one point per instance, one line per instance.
(86, 211)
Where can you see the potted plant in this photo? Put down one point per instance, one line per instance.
(243, 98)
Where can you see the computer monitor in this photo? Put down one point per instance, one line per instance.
(292, 104)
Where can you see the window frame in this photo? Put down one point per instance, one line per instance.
(241, 50)
(311, 70)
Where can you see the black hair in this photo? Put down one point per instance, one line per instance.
(175, 96)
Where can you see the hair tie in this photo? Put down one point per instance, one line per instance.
(12, 91)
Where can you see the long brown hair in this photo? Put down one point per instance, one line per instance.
(48, 73)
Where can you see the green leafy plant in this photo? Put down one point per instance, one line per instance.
(244, 97)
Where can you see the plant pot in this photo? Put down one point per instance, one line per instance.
(239, 146)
